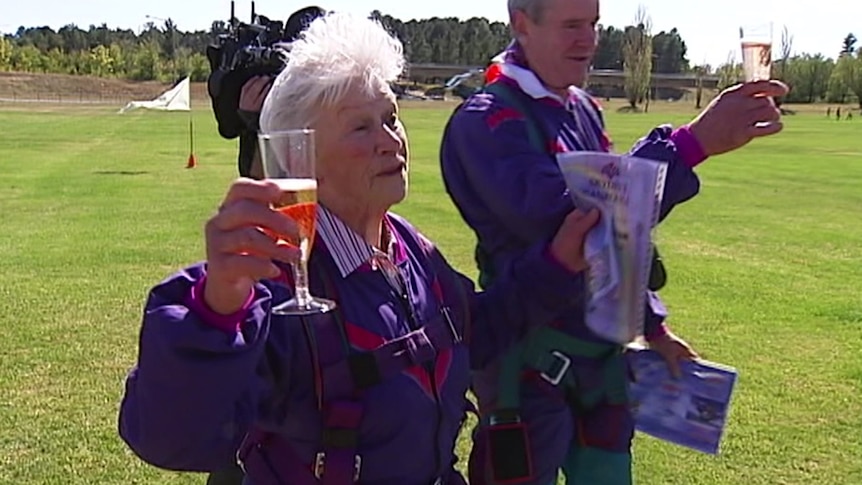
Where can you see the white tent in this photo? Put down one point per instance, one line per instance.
(175, 99)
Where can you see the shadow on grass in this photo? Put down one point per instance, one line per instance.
(629, 109)
(120, 172)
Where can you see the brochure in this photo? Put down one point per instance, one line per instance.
(690, 411)
(627, 191)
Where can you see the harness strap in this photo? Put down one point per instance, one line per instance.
(337, 462)
(342, 374)
(600, 371)
(367, 369)
(269, 460)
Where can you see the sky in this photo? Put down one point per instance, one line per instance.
(709, 28)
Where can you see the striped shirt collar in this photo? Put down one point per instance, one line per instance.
(349, 250)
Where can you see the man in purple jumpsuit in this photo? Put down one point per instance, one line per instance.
(509, 190)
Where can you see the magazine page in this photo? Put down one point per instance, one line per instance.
(690, 411)
(627, 192)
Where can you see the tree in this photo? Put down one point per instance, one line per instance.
(5, 54)
(74, 39)
(27, 58)
(836, 91)
(169, 40)
(700, 72)
(637, 58)
(609, 50)
(809, 77)
(101, 62)
(848, 46)
(730, 72)
(849, 68)
(669, 52)
(785, 50)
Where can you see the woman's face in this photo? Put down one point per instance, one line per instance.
(362, 152)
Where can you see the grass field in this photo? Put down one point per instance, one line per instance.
(765, 270)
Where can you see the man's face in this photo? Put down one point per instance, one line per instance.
(560, 44)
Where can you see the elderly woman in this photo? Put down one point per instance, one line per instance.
(373, 392)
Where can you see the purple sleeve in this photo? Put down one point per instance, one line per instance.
(195, 388)
(682, 150)
(655, 316)
(535, 289)
(688, 150)
(681, 183)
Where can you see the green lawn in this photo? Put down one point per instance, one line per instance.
(765, 270)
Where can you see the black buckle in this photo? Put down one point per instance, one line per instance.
(320, 461)
(363, 369)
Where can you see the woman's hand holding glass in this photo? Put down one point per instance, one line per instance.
(240, 247)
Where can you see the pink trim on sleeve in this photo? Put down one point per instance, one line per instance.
(689, 148)
(226, 323)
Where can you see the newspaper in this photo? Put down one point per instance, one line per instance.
(627, 191)
(690, 411)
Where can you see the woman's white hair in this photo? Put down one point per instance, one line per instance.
(337, 52)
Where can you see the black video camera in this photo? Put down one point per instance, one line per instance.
(246, 46)
(244, 51)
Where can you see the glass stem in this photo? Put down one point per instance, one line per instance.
(300, 277)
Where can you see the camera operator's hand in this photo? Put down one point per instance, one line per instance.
(253, 93)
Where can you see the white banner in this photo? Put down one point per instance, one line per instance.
(174, 99)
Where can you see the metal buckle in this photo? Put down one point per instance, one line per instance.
(240, 463)
(496, 419)
(320, 459)
(564, 366)
(243, 451)
(456, 337)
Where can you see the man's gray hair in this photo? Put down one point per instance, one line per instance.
(337, 52)
(533, 8)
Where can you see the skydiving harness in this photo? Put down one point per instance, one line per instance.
(599, 373)
(342, 374)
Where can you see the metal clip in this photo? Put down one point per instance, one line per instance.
(320, 459)
(566, 362)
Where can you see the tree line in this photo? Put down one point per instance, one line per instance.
(163, 52)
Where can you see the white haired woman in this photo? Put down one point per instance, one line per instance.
(374, 391)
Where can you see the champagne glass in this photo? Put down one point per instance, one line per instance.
(288, 159)
(756, 40)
